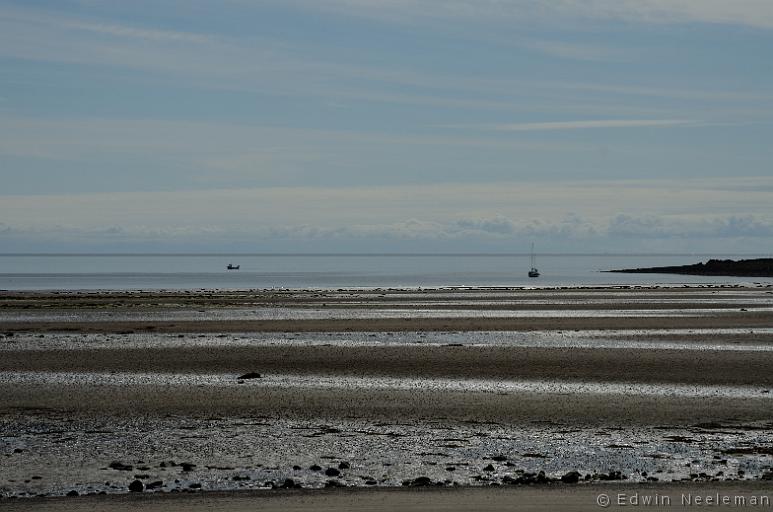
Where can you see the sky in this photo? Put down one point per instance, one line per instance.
(628, 126)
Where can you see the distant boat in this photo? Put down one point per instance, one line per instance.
(533, 272)
(232, 267)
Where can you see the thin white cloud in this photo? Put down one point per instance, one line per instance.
(273, 66)
(578, 125)
(45, 18)
(224, 146)
(757, 13)
(576, 51)
(137, 33)
(477, 206)
(49, 19)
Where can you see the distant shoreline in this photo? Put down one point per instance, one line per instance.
(759, 267)
(354, 254)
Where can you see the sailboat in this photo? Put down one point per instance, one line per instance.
(533, 272)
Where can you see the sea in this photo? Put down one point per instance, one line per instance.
(333, 271)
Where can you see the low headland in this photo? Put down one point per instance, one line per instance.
(758, 267)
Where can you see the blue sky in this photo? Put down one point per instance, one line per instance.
(403, 125)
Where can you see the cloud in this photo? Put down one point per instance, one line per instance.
(43, 18)
(484, 206)
(579, 125)
(498, 224)
(288, 67)
(136, 33)
(651, 226)
(572, 231)
(757, 13)
(576, 51)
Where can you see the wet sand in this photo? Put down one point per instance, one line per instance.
(671, 497)
(737, 367)
(717, 321)
(650, 385)
(286, 400)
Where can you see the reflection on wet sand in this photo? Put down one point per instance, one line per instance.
(383, 388)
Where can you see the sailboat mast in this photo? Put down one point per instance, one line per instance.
(533, 272)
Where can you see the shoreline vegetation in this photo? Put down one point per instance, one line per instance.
(758, 267)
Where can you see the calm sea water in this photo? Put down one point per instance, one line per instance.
(71, 272)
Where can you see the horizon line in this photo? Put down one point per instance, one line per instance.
(363, 254)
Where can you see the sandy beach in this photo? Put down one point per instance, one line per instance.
(587, 498)
(385, 389)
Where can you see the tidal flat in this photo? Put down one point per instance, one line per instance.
(103, 392)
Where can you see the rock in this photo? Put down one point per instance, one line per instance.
(421, 481)
(332, 472)
(768, 475)
(136, 486)
(296, 468)
(250, 375)
(334, 483)
(370, 482)
(344, 465)
(239, 478)
(154, 485)
(195, 486)
(571, 477)
(489, 468)
(289, 483)
(120, 466)
(187, 466)
(72, 493)
(499, 458)
(527, 479)
(314, 467)
(613, 475)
